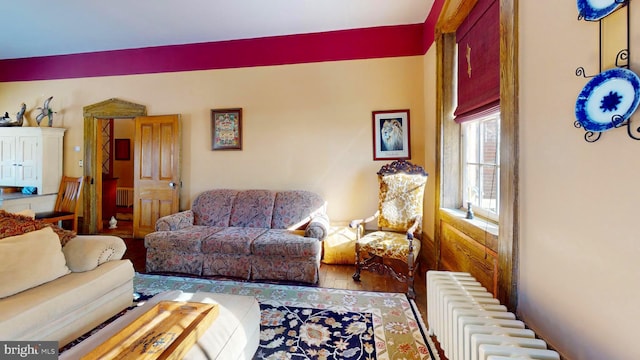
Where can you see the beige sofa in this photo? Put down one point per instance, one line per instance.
(55, 293)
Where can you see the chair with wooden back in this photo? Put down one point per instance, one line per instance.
(67, 202)
(399, 220)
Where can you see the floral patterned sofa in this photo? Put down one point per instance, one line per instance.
(247, 234)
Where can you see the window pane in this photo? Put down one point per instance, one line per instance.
(473, 185)
(471, 138)
(490, 176)
(481, 169)
(490, 135)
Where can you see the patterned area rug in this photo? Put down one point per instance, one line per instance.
(288, 332)
(300, 322)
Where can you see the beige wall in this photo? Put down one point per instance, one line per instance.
(309, 126)
(579, 279)
(305, 126)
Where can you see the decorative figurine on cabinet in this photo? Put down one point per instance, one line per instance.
(6, 120)
(45, 111)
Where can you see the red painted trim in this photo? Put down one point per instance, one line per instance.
(430, 23)
(378, 42)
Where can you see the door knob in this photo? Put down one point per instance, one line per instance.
(172, 185)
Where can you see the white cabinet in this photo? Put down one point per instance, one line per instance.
(31, 156)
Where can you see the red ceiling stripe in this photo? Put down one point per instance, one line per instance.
(377, 42)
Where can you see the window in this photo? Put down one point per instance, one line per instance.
(481, 165)
(449, 155)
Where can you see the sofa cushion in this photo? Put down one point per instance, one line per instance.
(85, 253)
(286, 243)
(233, 240)
(29, 260)
(253, 208)
(292, 209)
(188, 239)
(51, 303)
(213, 207)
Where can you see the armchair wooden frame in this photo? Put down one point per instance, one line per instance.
(67, 202)
(379, 245)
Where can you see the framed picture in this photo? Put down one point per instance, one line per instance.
(391, 135)
(226, 129)
(122, 149)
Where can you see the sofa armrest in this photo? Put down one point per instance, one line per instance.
(86, 252)
(318, 227)
(175, 221)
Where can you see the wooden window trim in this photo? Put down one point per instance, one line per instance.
(508, 237)
(453, 14)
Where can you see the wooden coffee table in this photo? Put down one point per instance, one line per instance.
(234, 334)
(166, 331)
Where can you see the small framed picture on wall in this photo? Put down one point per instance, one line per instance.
(122, 149)
(226, 129)
(391, 137)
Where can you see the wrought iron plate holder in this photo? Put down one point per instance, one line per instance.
(622, 61)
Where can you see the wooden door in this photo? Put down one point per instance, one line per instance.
(156, 171)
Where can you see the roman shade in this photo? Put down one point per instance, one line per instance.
(478, 39)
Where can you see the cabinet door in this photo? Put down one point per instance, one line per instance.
(7, 160)
(28, 161)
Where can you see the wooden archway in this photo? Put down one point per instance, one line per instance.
(108, 109)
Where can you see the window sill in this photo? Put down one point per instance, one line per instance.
(478, 223)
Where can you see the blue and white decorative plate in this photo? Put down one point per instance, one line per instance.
(594, 10)
(608, 99)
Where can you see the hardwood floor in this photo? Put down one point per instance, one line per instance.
(124, 229)
(331, 276)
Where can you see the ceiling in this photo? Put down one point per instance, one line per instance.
(33, 28)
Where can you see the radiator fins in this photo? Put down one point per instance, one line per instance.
(470, 324)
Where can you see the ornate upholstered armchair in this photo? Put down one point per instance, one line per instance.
(399, 215)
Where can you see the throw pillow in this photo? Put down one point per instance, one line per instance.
(340, 246)
(29, 260)
(15, 224)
